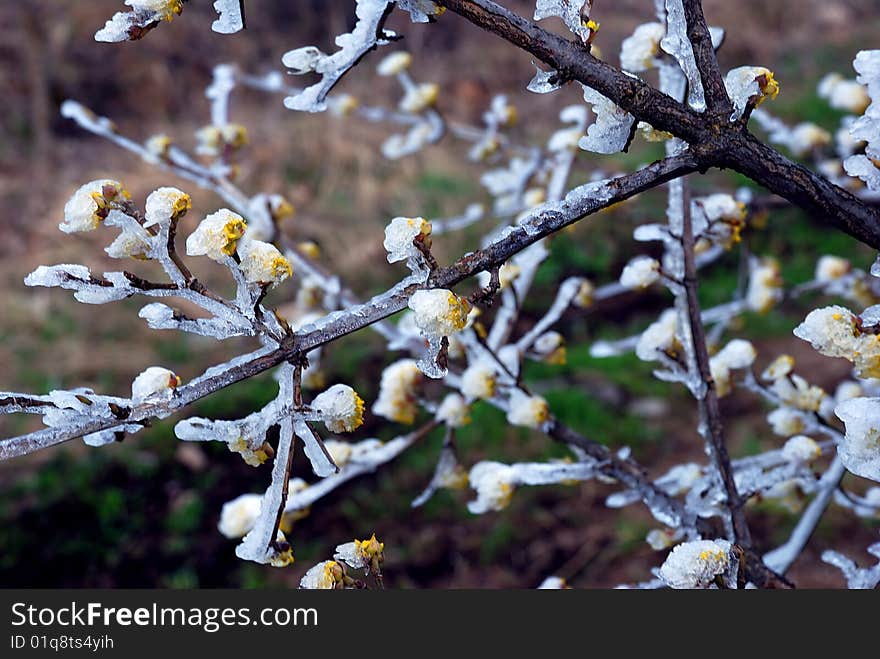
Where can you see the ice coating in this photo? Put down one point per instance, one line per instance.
(230, 17)
(860, 449)
(677, 44)
(613, 128)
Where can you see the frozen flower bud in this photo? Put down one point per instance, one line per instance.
(553, 583)
(801, 449)
(419, 98)
(660, 539)
(737, 354)
(807, 137)
(367, 554)
(309, 249)
(216, 236)
(528, 411)
(341, 409)
(164, 9)
(651, 134)
(843, 94)
(778, 368)
(164, 205)
(439, 312)
(659, 337)
(639, 51)
(640, 272)
(281, 553)
(262, 263)
(494, 483)
(326, 575)
(155, 381)
(253, 457)
(860, 449)
(503, 112)
(681, 478)
(696, 564)
(398, 394)
(213, 139)
(453, 411)
(400, 234)
(129, 244)
(750, 86)
(237, 517)
(565, 139)
(835, 332)
(584, 296)
(91, 204)
(302, 60)
(786, 421)
(478, 381)
(340, 452)
(551, 347)
(344, 105)
(395, 63)
(158, 146)
(765, 285)
(831, 268)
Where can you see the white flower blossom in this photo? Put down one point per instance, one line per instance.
(478, 381)
(398, 397)
(439, 312)
(326, 575)
(639, 51)
(90, 204)
(801, 449)
(341, 409)
(696, 564)
(262, 263)
(154, 381)
(659, 337)
(525, 410)
(831, 268)
(164, 205)
(419, 98)
(749, 85)
(765, 285)
(395, 63)
(640, 272)
(216, 236)
(237, 517)
(860, 449)
(453, 411)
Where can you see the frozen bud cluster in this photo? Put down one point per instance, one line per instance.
(796, 392)
(786, 421)
(639, 51)
(550, 346)
(478, 381)
(262, 263)
(341, 409)
(155, 381)
(765, 285)
(737, 354)
(216, 236)
(368, 554)
(836, 332)
(801, 449)
(749, 86)
(91, 204)
(439, 312)
(252, 457)
(395, 63)
(778, 368)
(526, 410)
(640, 272)
(843, 94)
(237, 517)
(453, 411)
(860, 449)
(398, 394)
(326, 575)
(165, 205)
(660, 337)
(696, 564)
